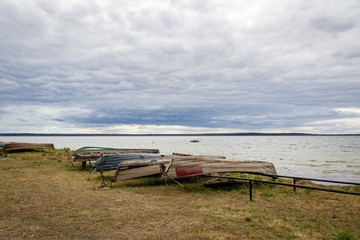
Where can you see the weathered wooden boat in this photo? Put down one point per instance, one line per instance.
(93, 153)
(186, 166)
(22, 146)
(192, 166)
(89, 154)
(111, 162)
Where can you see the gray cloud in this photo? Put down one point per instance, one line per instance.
(253, 65)
(331, 25)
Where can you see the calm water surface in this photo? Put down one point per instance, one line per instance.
(328, 157)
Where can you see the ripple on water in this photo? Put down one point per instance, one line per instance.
(353, 166)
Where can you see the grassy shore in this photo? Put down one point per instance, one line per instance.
(42, 196)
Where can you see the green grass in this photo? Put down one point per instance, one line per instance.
(344, 236)
(45, 197)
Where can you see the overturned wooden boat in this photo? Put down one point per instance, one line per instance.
(89, 154)
(186, 166)
(23, 146)
(93, 153)
(111, 162)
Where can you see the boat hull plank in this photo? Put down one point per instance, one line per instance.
(21, 146)
(144, 162)
(138, 172)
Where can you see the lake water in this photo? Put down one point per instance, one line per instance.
(327, 157)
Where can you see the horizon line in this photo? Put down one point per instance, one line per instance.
(181, 134)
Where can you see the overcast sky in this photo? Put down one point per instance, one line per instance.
(179, 66)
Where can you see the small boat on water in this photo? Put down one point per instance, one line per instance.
(11, 146)
(186, 166)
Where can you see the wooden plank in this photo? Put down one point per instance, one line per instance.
(182, 154)
(187, 155)
(19, 146)
(137, 172)
(144, 162)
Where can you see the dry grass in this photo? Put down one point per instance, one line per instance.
(44, 197)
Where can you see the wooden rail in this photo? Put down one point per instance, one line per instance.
(250, 180)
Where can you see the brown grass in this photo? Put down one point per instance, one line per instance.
(44, 197)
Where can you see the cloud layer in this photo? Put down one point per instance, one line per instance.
(166, 66)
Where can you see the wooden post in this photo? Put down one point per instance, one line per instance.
(250, 190)
(83, 165)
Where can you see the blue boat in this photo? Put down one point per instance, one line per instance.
(111, 162)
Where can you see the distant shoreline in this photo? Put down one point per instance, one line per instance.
(130, 135)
